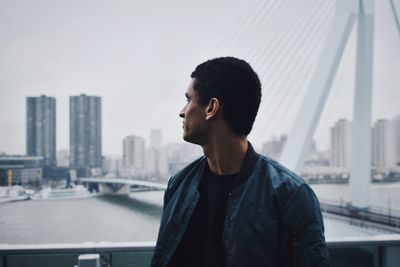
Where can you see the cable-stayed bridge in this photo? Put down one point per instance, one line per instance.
(295, 47)
(303, 129)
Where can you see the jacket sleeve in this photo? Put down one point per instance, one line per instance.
(159, 247)
(167, 197)
(303, 215)
(167, 193)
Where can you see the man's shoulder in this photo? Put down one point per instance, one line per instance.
(286, 186)
(282, 179)
(190, 169)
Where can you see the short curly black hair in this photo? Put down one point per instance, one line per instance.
(235, 84)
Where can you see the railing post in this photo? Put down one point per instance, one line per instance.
(89, 260)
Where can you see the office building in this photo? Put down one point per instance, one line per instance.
(341, 136)
(63, 158)
(396, 126)
(179, 155)
(112, 165)
(41, 128)
(85, 133)
(274, 147)
(156, 138)
(24, 170)
(156, 157)
(134, 155)
(384, 145)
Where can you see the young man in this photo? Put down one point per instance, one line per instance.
(234, 207)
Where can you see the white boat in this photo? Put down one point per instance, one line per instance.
(77, 191)
(15, 193)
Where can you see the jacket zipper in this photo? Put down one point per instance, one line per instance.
(186, 217)
(228, 226)
(295, 250)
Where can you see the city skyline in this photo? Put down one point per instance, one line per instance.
(138, 58)
(156, 133)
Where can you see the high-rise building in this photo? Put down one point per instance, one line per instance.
(383, 145)
(180, 155)
(85, 132)
(396, 126)
(41, 128)
(273, 148)
(63, 158)
(156, 138)
(134, 155)
(341, 143)
(112, 165)
(156, 158)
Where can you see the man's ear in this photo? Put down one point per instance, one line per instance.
(212, 108)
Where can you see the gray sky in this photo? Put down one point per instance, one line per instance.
(138, 56)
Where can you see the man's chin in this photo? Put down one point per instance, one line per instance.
(188, 138)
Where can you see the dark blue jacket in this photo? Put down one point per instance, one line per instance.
(273, 218)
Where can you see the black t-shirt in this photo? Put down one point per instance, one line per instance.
(202, 244)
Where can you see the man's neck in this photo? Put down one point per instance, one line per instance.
(225, 155)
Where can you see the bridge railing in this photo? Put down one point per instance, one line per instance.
(374, 214)
(375, 251)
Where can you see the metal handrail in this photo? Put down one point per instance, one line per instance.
(375, 240)
(381, 248)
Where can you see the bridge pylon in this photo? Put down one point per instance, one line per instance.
(300, 137)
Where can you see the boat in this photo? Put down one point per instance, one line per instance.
(76, 191)
(14, 193)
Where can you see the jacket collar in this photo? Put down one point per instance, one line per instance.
(249, 162)
(248, 165)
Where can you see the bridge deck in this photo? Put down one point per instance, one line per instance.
(124, 181)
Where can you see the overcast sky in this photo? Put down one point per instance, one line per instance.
(138, 56)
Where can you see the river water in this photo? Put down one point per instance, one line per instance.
(99, 218)
(136, 218)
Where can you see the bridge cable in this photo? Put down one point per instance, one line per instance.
(272, 90)
(291, 68)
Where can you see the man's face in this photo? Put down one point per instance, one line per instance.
(195, 127)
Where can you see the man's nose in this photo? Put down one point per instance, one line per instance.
(182, 113)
